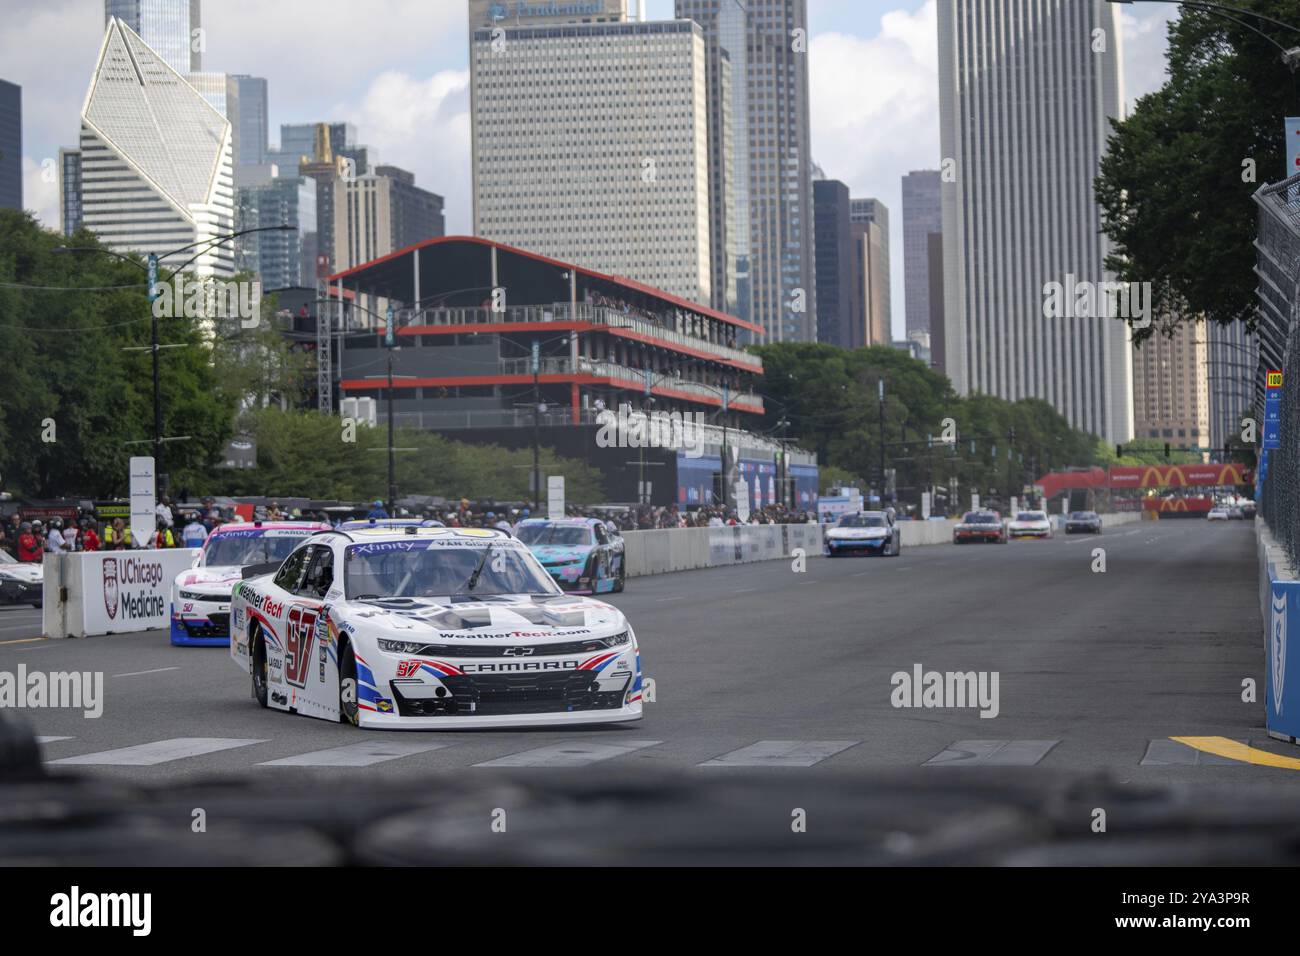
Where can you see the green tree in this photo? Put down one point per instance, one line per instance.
(1175, 182)
(78, 383)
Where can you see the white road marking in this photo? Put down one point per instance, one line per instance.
(50, 740)
(992, 753)
(572, 754)
(356, 755)
(156, 670)
(781, 753)
(160, 751)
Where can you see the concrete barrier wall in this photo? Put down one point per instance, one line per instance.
(110, 592)
(685, 549)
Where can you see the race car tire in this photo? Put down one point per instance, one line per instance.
(621, 581)
(349, 712)
(259, 667)
(897, 548)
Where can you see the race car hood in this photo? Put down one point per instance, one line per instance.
(499, 618)
(1030, 524)
(27, 573)
(213, 579)
(561, 554)
(989, 526)
(857, 534)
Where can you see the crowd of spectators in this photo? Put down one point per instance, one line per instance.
(188, 526)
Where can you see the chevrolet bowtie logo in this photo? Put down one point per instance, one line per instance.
(517, 651)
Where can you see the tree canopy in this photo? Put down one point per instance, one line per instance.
(1176, 181)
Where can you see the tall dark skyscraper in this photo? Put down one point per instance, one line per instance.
(922, 215)
(836, 303)
(11, 145)
(765, 43)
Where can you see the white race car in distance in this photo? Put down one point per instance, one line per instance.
(200, 609)
(866, 532)
(1030, 524)
(21, 582)
(431, 628)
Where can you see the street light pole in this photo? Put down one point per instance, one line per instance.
(881, 390)
(537, 424)
(392, 457)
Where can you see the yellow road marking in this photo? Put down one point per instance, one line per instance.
(23, 640)
(1223, 747)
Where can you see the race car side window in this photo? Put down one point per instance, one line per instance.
(291, 571)
(320, 572)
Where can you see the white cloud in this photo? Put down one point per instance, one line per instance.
(875, 115)
(41, 189)
(421, 125)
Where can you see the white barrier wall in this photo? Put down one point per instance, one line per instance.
(684, 549)
(110, 592)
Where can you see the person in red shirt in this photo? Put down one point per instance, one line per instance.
(29, 549)
(89, 540)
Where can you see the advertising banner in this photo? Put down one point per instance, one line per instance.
(111, 592)
(1180, 476)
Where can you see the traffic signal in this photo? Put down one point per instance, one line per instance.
(1119, 451)
(1166, 451)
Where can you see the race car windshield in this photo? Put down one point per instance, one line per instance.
(443, 571)
(974, 517)
(862, 521)
(1030, 516)
(231, 551)
(1081, 516)
(7, 558)
(554, 534)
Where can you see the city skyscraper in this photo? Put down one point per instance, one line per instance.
(247, 109)
(838, 317)
(869, 225)
(1026, 92)
(155, 157)
(381, 212)
(590, 140)
(922, 215)
(69, 190)
(11, 145)
(171, 28)
(765, 42)
(1171, 394)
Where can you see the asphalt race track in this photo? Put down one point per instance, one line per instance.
(763, 668)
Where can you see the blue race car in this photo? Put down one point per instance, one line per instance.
(581, 554)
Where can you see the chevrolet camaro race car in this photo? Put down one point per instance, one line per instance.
(1030, 524)
(581, 554)
(200, 610)
(867, 532)
(431, 628)
(20, 582)
(980, 526)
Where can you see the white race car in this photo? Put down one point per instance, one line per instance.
(20, 582)
(201, 595)
(431, 628)
(867, 532)
(1030, 524)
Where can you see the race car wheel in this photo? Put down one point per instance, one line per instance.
(896, 549)
(259, 664)
(348, 709)
(621, 581)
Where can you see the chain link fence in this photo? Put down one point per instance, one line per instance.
(1278, 270)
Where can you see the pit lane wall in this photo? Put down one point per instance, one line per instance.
(685, 549)
(110, 592)
(1279, 605)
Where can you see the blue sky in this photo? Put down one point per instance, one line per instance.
(397, 69)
